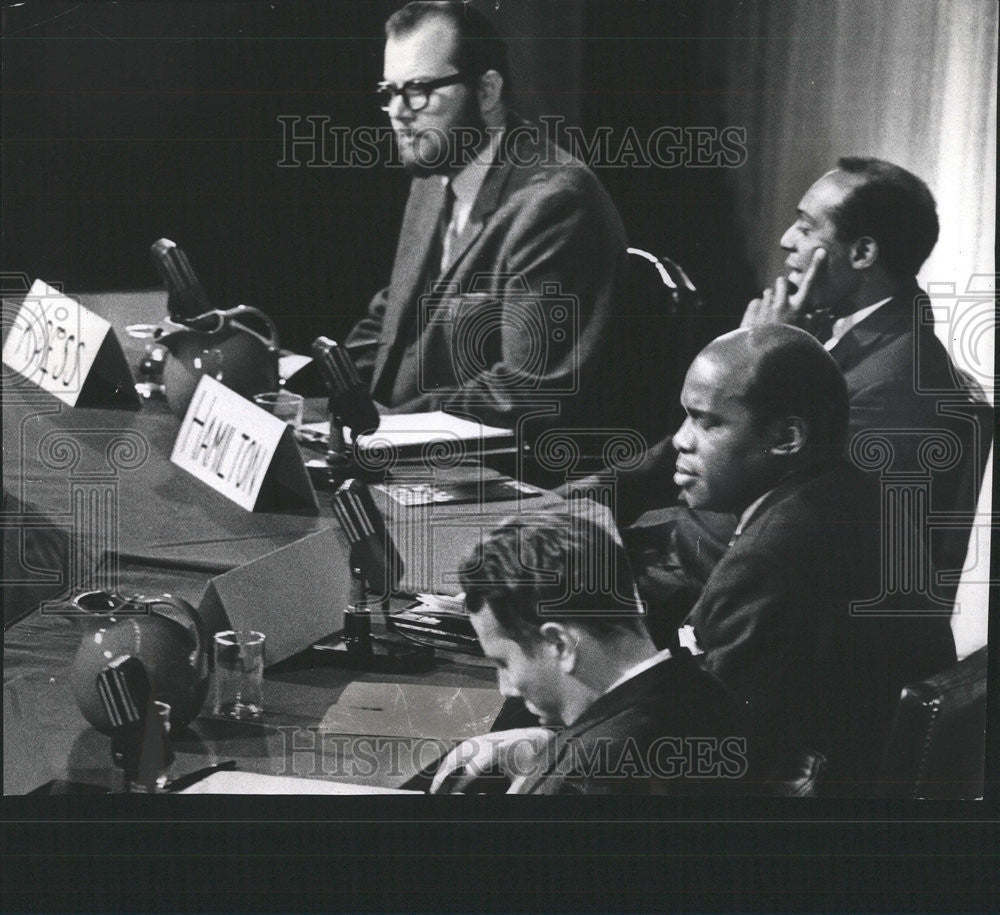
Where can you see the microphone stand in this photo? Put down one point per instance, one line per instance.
(357, 647)
(340, 464)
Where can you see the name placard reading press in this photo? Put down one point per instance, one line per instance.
(67, 350)
(241, 451)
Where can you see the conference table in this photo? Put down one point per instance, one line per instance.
(91, 497)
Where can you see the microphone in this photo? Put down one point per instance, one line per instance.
(127, 695)
(372, 547)
(124, 689)
(187, 298)
(350, 400)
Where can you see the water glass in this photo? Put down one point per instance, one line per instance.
(239, 674)
(283, 404)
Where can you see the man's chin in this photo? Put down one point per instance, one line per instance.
(418, 169)
(544, 718)
(688, 498)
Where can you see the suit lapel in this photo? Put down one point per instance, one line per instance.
(487, 202)
(887, 323)
(416, 241)
(604, 707)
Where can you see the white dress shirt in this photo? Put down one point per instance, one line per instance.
(842, 325)
(466, 186)
(637, 669)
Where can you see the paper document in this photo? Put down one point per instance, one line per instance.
(413, 710)
(447, 492)
(415, 430)
(254, 783)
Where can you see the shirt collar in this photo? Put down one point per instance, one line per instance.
(842, 325)
(637, 669)
(748, 513)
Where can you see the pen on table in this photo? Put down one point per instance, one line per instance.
(186, 781)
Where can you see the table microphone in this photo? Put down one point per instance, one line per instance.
(187, 298)
(124, 688)
(372, 547)
(127, 694)
(350, 400)
(376, 570)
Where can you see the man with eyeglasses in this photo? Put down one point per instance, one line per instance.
(510, 253)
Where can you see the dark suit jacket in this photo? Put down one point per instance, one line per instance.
(776, 623)
(903, 385)
(669, 730)
(525, 312)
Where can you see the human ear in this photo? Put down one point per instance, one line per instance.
(562, 642)
(864, 253)
(490, 91)
(788, 435)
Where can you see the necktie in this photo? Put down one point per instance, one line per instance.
(446, 228)
(389, 388)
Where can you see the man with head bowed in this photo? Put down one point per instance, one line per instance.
(552, 600)
(510, 254)
(797, 618)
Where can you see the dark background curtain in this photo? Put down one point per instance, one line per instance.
(123, 123)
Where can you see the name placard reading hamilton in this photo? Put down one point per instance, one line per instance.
(67, 350)
(241, 451)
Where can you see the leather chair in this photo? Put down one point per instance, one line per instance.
(653, 341)
(936, 747)
(655, 326)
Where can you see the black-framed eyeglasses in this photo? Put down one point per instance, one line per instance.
(416, 92)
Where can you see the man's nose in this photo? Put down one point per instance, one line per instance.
(682, 437)
(505, 687)
(788, 239)
(399, 110)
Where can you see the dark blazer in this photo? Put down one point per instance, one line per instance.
(776, 622)
(522, 312)
(903, 385)
(669, 730)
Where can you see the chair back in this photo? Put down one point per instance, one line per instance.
(937, 741)
(655, 343)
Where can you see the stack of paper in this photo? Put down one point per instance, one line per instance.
(413, 433)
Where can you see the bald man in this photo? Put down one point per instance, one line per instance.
(860, 234)
(790, 618)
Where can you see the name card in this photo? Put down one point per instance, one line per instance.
(69, 351)
(295, 595)
(242, 451)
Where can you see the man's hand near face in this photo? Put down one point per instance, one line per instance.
(780, 305)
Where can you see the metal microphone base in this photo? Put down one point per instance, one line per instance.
(386, 653)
